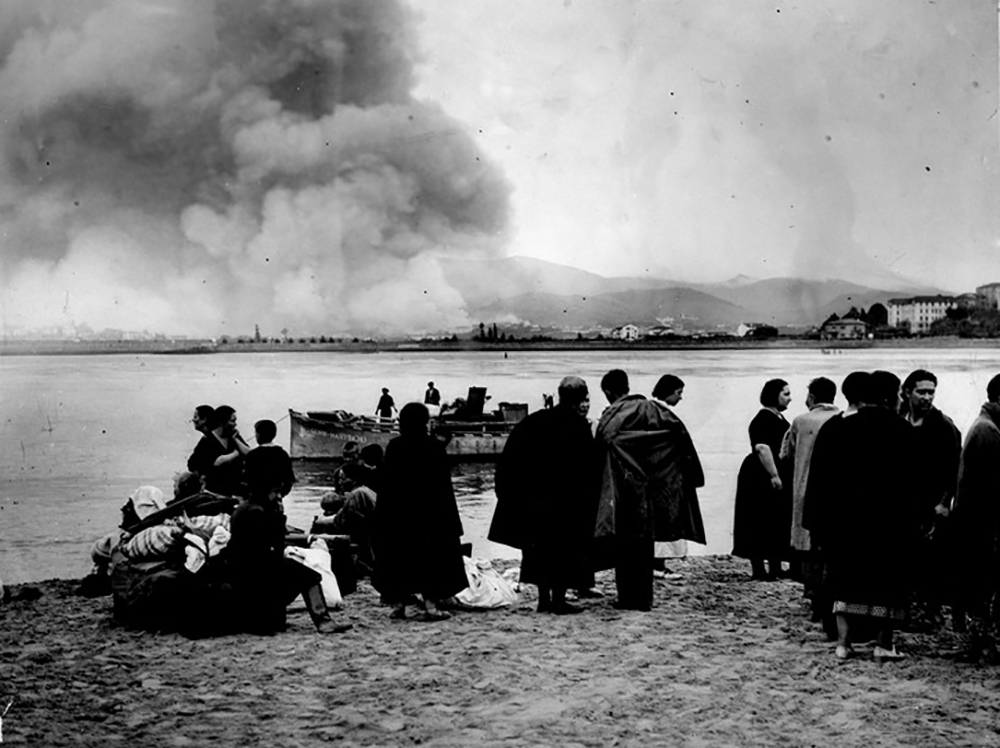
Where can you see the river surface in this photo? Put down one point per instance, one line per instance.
(79, 433)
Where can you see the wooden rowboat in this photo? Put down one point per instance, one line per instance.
(470, 435)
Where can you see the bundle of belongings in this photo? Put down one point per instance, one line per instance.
(166, 558)
(208, 565)
(488, 588)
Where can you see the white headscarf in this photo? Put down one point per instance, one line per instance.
(146, 500)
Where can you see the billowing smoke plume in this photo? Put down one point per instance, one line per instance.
(197, 167)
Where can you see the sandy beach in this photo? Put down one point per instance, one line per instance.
(719, 661)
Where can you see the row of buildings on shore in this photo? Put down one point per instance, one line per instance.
(914, 314)
(918, 313)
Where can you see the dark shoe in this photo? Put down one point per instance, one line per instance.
(589, 594)
(564, 609)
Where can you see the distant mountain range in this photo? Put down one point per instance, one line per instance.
(544, 294)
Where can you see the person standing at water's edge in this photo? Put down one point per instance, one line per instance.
(977, 528)
(763, 515)
(546, 486)
(650, 472)
(418, 531)
(939, 446)
(796, 452)
(862, 481)
(814, 565)
(667, 393)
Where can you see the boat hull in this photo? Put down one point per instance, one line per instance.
(324, 437)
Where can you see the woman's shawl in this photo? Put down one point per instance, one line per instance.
(651, 471)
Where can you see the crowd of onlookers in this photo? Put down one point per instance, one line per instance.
(880, 510)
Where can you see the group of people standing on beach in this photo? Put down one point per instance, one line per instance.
(573, 498)
(873, 509)
(577, 500)
(876, 508)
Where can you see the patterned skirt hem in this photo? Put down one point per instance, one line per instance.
(869, 610)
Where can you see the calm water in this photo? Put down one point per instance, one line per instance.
(79, 433)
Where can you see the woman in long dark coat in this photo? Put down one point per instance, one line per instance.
(418, 532)
(763, 521)
(862, 513)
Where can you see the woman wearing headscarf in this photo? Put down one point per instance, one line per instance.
(763, 516)
(418, 531)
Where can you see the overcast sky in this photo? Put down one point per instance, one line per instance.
(698, 139)
(203, 166)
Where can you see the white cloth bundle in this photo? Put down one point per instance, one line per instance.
(317, 558)
(487, 588)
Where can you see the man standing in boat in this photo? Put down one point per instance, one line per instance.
(386, 405)
(432, 396)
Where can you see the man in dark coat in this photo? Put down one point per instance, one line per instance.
(650, 473)
(418, 531)
(977, 526)
(546, 486)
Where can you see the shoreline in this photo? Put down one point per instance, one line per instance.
(719, 660)
(179, 347)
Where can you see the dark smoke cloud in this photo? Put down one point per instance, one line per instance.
(196, 167)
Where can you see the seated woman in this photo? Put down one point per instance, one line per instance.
(355, 517)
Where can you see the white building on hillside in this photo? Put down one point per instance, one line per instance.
(625, 332)
(920, 312)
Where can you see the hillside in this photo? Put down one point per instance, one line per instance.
(645, 307)
(545, 294)
(482, 282)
